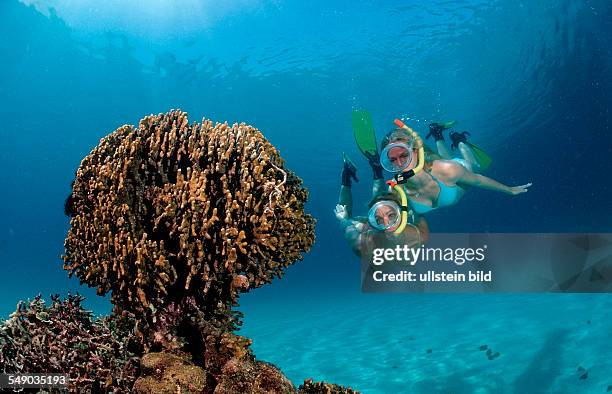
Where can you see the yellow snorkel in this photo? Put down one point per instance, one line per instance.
(402, 177)
(404, 207)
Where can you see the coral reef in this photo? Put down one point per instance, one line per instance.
(169, 373)
(175, 220)
(97, 355)
(170, 210)
(311, 387)
(63, 338)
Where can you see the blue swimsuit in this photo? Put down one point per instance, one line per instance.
(449, 195)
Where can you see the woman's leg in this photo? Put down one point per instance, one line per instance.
(378, 182)
(468, 156)
(379, 186)
(442, 150)
(460, 141)
(436, 131)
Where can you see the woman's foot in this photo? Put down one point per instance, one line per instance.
(435, 131)
(374, 160)
(458, 138)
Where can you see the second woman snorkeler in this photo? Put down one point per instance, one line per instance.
(442, 183)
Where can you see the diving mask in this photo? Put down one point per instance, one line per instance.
(385, 215)
(396, 156)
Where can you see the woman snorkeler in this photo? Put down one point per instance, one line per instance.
(432, 183)
(389, 221)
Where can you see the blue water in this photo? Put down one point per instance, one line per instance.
(378, 343)
(530, 80)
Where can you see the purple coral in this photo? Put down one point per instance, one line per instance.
(64, 338)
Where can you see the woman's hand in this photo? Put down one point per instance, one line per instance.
(466, 177)
(514, 190)
(340, 212)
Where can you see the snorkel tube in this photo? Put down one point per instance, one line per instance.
(404, 207)
(404, 176)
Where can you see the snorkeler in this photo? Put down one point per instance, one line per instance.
(431, 184)
(389, 219)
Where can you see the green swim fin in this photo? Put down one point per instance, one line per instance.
(484, 160)
(364, 133)
(448, 125)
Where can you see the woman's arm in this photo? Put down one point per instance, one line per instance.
(411, 236)
(462, 176)
(423, 227)
(484, 182)
(352, 228)
(415, 235)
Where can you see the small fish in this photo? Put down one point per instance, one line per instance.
(429, 350)
(584, 376)
(483, 347)
(609, 389)
(581, 369)
(489, 352)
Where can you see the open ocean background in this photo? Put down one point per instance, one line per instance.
(531, 81)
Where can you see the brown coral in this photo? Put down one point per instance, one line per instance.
(165, 373)
(312, 387)
(175, 220)
(225, 364)
(170, 210)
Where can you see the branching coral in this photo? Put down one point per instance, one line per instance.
(63, 338)
(170, 210)
(312, 387)
(175, 220)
